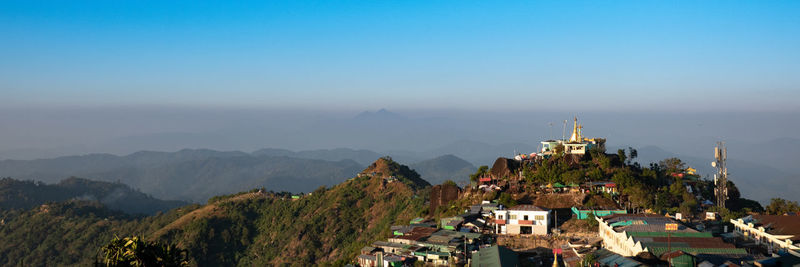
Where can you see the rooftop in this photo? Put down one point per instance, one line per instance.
(528, 208)
(780, 224)
(418, 233)
(495, 256)
(609, 258)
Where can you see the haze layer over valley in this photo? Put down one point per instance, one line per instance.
(264, 142)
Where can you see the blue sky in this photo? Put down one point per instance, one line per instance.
(508, 55)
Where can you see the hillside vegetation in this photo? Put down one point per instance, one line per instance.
(15, 194)
(256, 228)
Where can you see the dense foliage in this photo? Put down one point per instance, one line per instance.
(135, 251)
(779, 206)
(15, 194)
(660, 187)
(68, 233)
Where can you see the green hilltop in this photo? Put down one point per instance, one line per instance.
(326, 226)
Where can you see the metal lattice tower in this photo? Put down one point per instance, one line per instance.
(721, 177)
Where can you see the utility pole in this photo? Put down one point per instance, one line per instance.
(721, 178)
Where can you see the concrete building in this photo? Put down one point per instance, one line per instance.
(522, 219)
(774, 232)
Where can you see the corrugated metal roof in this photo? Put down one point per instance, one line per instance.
(780, 224)
(528, 208)
(661, 250)
(650, 227)
(495, 256)
(609, 258)
(664, 234)
(695, 242)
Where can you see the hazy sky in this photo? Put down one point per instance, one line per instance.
(608, 55)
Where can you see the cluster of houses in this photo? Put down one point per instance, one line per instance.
(627, 239)
(454, 239)
(421, 242)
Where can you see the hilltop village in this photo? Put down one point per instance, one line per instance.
(573, 204)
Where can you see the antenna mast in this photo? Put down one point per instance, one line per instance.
(721, 178)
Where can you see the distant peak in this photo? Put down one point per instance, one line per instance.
(381, 114)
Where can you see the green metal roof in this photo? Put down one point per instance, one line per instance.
(424, 253)
(664, 234)
(628, 222)
(661, 250)
(416, 220)
(608, 258)
(495, 256)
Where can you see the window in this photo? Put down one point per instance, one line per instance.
(512, 216)
(526, 217)
(500, 216)
(539, 217)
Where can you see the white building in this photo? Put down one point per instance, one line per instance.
(577, 144)
(775, 232)
(522, 219)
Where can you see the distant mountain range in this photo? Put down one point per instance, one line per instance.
(447, 167)
(362, 157)
(192, 175)
(16, 194)
(197, 174)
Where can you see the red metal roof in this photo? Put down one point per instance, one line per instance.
(780, 224)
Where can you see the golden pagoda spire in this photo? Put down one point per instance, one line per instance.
(575, 135)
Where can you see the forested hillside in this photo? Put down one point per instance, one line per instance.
(15, 194)
(328, 225)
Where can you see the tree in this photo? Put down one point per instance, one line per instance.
(632, 153)
(779, 206)
(672, 165)
(135, 251)
(506, 200)
(621, 155)
(558, 149)
(589, 260)
(482, 170)
(573, 177)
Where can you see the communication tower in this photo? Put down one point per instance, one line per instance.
(721, 177)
